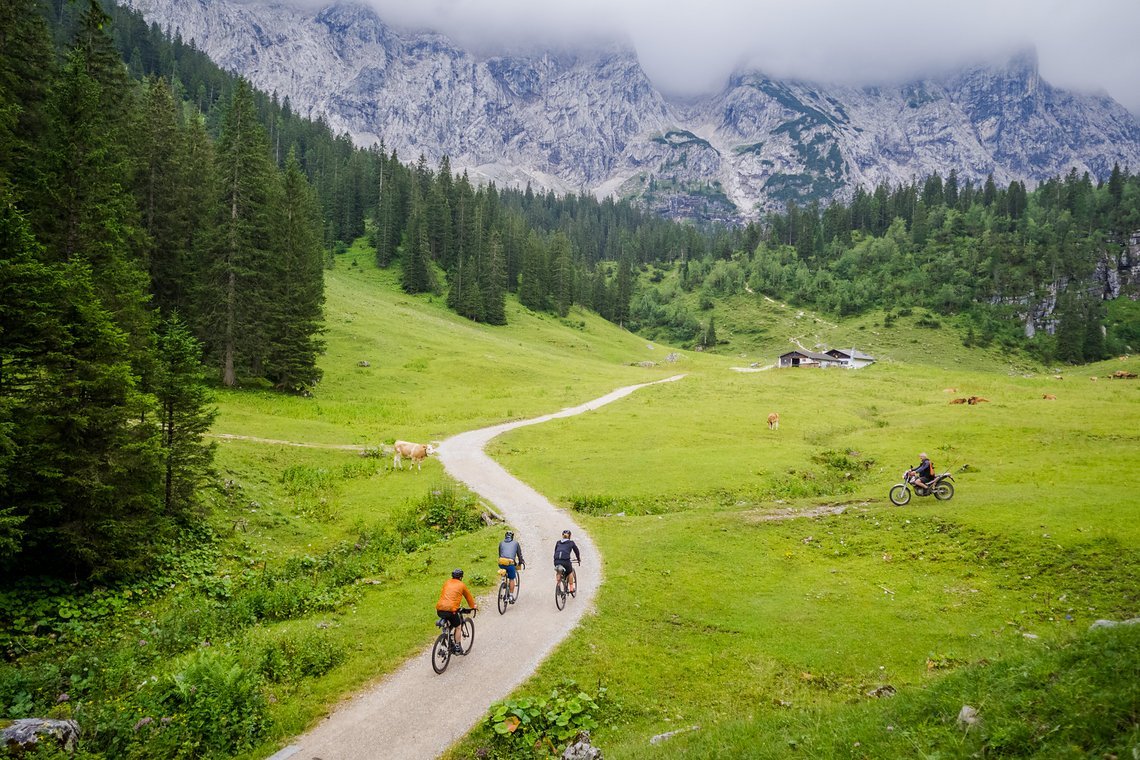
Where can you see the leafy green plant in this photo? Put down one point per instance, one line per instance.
(544, 725)
(291, 658)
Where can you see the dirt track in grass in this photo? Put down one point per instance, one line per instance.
(414, 714)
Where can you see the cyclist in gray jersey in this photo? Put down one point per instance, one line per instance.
(510, 556)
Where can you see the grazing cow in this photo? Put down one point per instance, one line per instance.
(1049, 397)
(1093, 378)
(949, 390)
(773, 421)
(957, 401)
(416, 452)
(977, 400)
(1058, 377)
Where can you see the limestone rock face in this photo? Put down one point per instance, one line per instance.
(591, 120)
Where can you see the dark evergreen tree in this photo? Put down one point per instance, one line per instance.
(82, 492)
(238, 284)
(494, 283)
(185, 417)
(294, 326)
(417, 274)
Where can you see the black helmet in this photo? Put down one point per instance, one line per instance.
(509, 537)
(457, 573)
(566, 534)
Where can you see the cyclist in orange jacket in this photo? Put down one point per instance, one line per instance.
(450, 600)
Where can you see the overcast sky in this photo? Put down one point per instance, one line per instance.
(689, 48)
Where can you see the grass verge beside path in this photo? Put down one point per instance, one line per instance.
(769, 633)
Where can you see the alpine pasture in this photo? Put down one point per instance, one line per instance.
(757, 582)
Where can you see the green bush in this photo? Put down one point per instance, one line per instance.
(291, 658)
(544, 726)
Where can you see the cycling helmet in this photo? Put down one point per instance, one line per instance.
(509, 537)
(566, 534)
(457, 573)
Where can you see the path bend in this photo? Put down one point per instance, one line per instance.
(390, 720)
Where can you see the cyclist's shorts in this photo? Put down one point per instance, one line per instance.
(451, 617)
(565, 567)
(512, 573)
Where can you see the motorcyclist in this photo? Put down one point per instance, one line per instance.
(923, 472)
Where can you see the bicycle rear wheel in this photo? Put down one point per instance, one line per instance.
(560, 592)
(468, 634)
(441, 652)
(503, 600)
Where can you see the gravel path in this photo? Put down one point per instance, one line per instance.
(414, 714)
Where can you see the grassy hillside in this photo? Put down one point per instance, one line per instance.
(709, 603)
(716, 603)
(738, 597)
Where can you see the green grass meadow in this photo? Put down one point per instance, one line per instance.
(714, 614)
(757, 583)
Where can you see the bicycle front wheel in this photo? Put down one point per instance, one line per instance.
(441, 652)
(468, 634)
(503, 600)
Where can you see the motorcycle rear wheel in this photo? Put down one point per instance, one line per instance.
(944, 491)
(900, 495)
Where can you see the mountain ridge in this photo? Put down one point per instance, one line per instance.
(591, 120)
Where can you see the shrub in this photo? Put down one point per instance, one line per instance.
(291, 658)
(546, 725)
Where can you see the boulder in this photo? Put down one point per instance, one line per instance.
(25, 733)
(581, 749)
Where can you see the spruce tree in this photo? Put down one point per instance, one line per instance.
(184, 417)
(26, 68)
(532, 290)
(417, 276)
(238, 286)
(494, 283)
(164, 193)
(294, 324)
(81, 493)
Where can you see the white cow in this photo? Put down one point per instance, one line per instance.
(416, 452)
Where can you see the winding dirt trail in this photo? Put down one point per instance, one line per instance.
(413, 714)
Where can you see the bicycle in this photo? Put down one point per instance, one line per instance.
(562, 587)
(505, 587)
(441, 650)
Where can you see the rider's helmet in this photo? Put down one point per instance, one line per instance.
(457, 573)
(566, 534)
(509, 537)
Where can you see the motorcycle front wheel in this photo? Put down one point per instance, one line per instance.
(900, 495)
(944, 491)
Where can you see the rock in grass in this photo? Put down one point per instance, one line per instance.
(1113, 623)
(581, 749)
(670, 734)
(886, 690)
(25, 733)
(968, 717)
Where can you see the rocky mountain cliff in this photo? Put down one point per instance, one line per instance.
(591, 120)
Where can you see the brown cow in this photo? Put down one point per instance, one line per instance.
(1049, 397)
(977, 400)
(416, 452)
(773, 421)
(957, 401)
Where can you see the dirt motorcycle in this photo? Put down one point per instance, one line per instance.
(942, 488)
